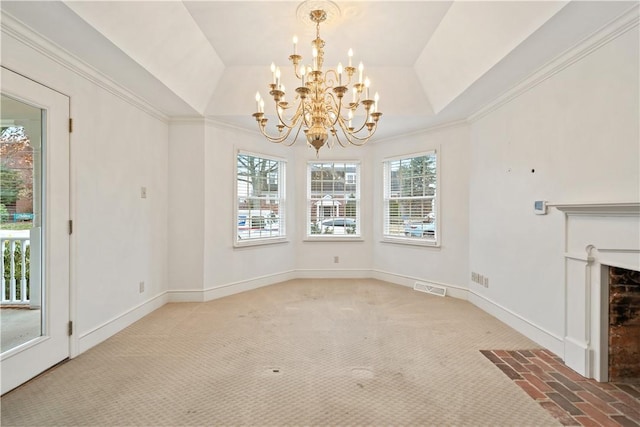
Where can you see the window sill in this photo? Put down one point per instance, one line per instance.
(259, 242)
(330, 238)
(408, 241)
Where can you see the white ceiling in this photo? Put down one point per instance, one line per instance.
(431, 61)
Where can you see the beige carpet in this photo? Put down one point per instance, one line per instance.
(304, 352)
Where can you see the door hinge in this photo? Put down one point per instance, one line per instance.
(70, 226)
(70, 125)
(70, 330)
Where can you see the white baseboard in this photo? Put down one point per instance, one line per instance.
(346, 273)
(400, 279)
(527, 328)
(534, 332)
(232, 288)
(95, 336)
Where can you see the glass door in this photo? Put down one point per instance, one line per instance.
(34, 242)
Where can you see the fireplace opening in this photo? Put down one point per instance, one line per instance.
(624, 325)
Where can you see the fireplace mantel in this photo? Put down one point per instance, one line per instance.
(597, 235)
(599, 208)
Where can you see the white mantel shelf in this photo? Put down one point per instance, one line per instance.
(599, 208)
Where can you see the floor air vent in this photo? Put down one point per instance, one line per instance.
(430, 288)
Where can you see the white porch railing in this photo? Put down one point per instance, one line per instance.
(14, 285)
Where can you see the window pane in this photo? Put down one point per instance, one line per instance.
(333, 199)
(410, 197)
(260, 198)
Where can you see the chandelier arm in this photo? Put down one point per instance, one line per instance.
(356, 131)
(337, 135)
(336, 102)
(278, 139)
(282, 120)
(334, 81)
(355, 139)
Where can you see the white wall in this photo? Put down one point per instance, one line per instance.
(186, 205)
(229, 269)
(119, 239)
(316, 258)
(447, 264)
(572, 138)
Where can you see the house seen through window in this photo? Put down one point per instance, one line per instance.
(260, 199)
(333, 199)
(410, 203)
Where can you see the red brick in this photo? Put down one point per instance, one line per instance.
(519, 357)
(586, 421)
(591, 410)
(531, 390)
(565, 404)
(597, 402)
(569, 373)
(559, 413)
(603, 386)
(623, 421)
(565, 392)
(508, 371)
(571, 385)
(540, 373)
(630, 412)
(542, 365)
(625, 398)
(526, 353)
(515, 365)
(501, 353)
(629, 390)
(589, 385)
(544, 356)
(489, 355)
(537, 382)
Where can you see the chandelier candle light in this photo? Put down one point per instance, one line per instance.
(320, 105)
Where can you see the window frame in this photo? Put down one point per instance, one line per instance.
(386, 198)
(282, 236)
(357, 235)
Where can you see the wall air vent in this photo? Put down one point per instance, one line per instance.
(430, 288)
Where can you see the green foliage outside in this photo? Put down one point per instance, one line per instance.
(4, 213)
(10, 186)
(18, 274)
(315, 228)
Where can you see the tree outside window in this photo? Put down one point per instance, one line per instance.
(410, 199)
(260, 199)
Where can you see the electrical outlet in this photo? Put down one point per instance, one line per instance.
(143, 192)
(336, 259)
(141, 287)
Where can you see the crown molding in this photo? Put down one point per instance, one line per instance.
(15, 28)
(588, 45)
(431, 129)
(186, 120)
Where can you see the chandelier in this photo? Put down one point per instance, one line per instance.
(322, 106)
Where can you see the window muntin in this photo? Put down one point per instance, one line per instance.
(260, 199)
(410, 202)
(333, 200)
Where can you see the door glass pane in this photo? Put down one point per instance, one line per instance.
(21, 127)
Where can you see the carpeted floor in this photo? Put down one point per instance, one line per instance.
(303, 352)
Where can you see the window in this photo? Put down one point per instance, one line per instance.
(410, 203)
(333, 200)
(260, 199)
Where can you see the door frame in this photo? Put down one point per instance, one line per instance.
(55, 344)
